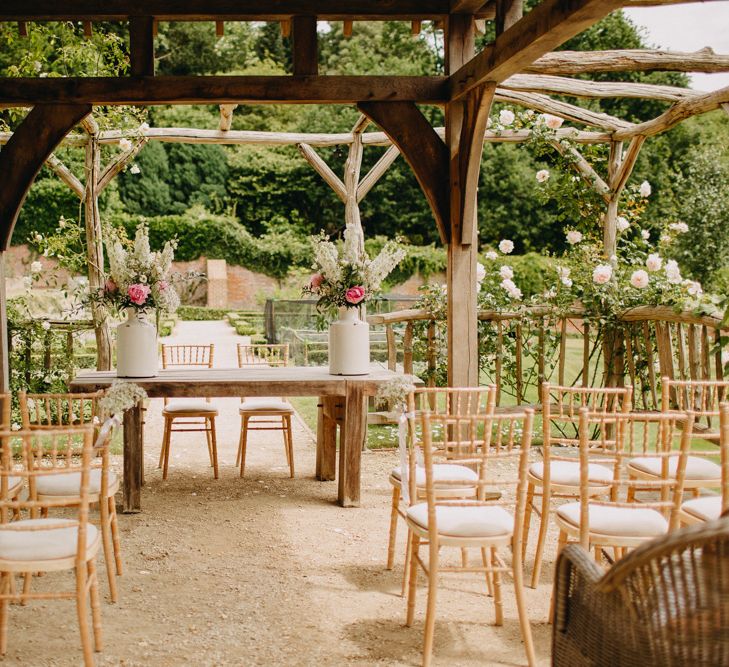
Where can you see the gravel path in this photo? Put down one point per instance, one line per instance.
(265, 570)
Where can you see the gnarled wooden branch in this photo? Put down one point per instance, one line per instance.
(374, 174)
(628, 60)
(118, 164)
(65, 174)
(226, 116)
(585, 169)
(323, 169)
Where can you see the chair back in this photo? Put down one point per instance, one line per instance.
(263, 355)
(497, 442)
(30, 455)
(187, 355)
(49, 411)
(700, 396)
(596, 446)
(6, 402)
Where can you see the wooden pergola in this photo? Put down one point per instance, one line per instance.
(517, 67)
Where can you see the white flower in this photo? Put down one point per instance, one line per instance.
(62, 222)
(38, 238)
(125, 144)
(679, 227)
(36, 267)
(552, 122)
(480, 271)
(27, 282)
(694, 288)
(506, 272)
(46, 325)
(622, 223)
(665, 238)
(602, 274)
(134, 169)
(563, 272)
(645, 189)
(639, 279)
(506, 246)
(144, 127)
(506, 117)
(673, 273)
(513, 291)
(15, 427)
(567, 282)
(542, 175)
(574, 237)
(645, 234)
(654, 262)
(492, 254)
(143, 280)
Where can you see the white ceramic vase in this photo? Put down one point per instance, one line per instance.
(136, 347)
(349, 344)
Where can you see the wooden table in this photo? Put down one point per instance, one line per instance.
(342, 403)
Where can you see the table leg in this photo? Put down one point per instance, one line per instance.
(133, 460)
(351, 439)
(326, 438)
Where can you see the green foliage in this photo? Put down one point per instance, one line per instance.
(47, 202)
(243, 328)
(201, 313)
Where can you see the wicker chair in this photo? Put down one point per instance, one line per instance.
(667, 603)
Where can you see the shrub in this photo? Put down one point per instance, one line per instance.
(201, 313)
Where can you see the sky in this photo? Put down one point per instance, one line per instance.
(688, 27)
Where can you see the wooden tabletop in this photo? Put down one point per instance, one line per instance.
(220, 382)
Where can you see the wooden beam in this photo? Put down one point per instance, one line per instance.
(559, 85)
(219, 29)
(628, 60)
(222, 90)
(22, 28)
(347, 28)
(565, 110)
(305, 45)
(65, 174)
(212, 10)
(24, 154)
(226, 116)
(141, 46)
(508, 12)
(88, 30)
(678, 112)
(374, 174)
(467, 6)
(324, 170)
(421, 147)
(285, 28)
(548, 25)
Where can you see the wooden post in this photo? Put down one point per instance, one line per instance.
(95, 248)
(4, 338)
(305, 48)
(141, 45)
(133, 460)
(352, 170)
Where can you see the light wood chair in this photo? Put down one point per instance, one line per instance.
(487, 525)
(15, 485)
(459, 405)
(261, 413)
(712, 506)
(622, 522)
(40, 544)
(557, 476)
(700, 396)
(192, 415)
(47, 412)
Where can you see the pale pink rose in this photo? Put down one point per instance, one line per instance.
(542, 175)
(506, 246)
(506, 273)
(639, 279)
(602, 274)
(553, 122)
(673, 273)
(645, 189)
(110, 286)
(163, 285)
(316, 280)
(574, 237)
(654, 262)
(138, 293)
(506, 117)
(355, 295)
(622, 223)
(481, 271)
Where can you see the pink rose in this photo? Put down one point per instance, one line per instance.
(163, 285)
(355, 295)
(110, 286)
(316, 280)
(138, 293)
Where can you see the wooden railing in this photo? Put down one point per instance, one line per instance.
(649, 343)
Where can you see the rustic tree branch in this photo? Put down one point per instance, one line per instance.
(323, 169)
(65, 174)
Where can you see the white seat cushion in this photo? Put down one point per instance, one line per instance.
(697, 467)
(69, 483)
(610, 520)
(190, 405)
(567, 473)
(441, 471)
(706, 508)
(47, 543)
(264, 404)
(465, 521)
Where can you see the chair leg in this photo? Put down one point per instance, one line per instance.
(166, 442)
(541, 539)
(115, 536)
(527, 520)
(290, 444)
(83, 620)
(4, 602)
(210, 444)
(408, 560)
(430, 610)
(486, 560)
(285, 441)
(393, 527)
(214, 441)
(240, 444)
(243, 444)
(162, 449)
(95, 606)
(561, 543)
(108, 548)
(498, 603)
(521, 606)
(413, 576)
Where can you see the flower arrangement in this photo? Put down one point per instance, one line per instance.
(118, 398)
(139, 278)
(350, 278)
(394, 393)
